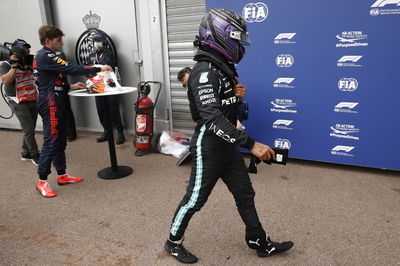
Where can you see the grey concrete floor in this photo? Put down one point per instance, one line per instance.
(336, 215)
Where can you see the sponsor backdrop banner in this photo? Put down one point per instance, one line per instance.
(323, 78)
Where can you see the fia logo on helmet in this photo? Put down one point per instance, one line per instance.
(255, 12)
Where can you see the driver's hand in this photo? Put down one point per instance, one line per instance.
(262, 151)
(240, 90)
(106, 68)
(78, 85)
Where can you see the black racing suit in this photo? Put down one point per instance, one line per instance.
(214, 150)
(53, 97)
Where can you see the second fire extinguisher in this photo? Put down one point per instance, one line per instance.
(144, 108)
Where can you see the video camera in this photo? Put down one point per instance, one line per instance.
(7, 49)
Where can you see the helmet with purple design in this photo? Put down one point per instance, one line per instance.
(224, 31)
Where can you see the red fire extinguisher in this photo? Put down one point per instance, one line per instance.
(144, 108)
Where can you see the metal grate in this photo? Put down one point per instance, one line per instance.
(183, 19)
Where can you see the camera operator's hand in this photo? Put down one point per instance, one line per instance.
(78, 85)
(106, 68)
(240, 91)
(262, 151)
(15, 59)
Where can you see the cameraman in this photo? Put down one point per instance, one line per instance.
(17, 77)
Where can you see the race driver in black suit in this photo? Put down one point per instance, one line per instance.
(214, 145)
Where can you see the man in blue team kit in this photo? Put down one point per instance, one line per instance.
(53, 93)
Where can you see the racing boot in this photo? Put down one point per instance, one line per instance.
(120, 138)
(263, 244)
(44, 189)
(274, 247)
(103, 137)
(66, 179)
(179, 252)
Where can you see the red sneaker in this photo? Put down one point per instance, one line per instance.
(66, 179)
(44, 189)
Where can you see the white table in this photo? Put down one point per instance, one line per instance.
(115, 171)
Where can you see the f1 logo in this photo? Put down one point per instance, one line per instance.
(382, 3)
(350, 58)
(349, 105)
(283, 122)
(284, 80)
(343, 148)
(288, 36)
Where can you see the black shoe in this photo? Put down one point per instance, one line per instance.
(26, 157)
(103, 138)
(71, 138)
(33, 159)
(120, 139)
(179, 252)
(274, 248)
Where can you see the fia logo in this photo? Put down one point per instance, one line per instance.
(348, 84)
(282, 144)
(284, 60)
(255, 12)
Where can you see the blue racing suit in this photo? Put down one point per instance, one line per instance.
(53, 93)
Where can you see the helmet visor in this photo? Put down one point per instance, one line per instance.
(242, 37)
